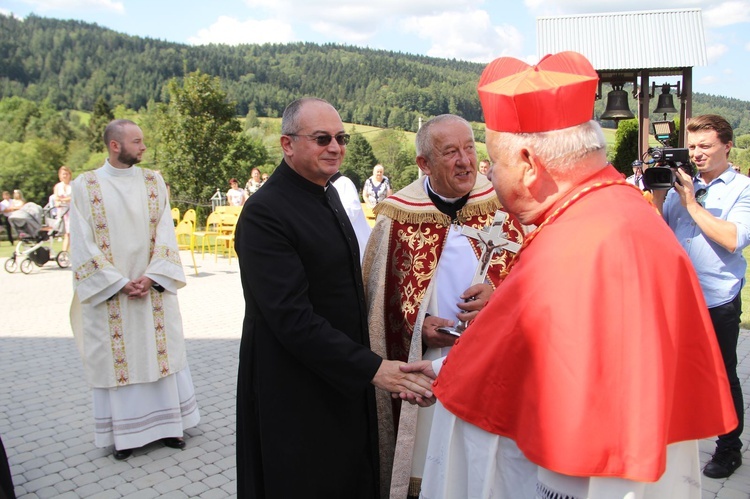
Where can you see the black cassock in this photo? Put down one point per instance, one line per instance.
(306, 418)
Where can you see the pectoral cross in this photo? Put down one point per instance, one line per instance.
(492, 240)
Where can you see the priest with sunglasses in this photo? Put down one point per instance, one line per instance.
(306, 420)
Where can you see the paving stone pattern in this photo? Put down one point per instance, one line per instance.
(46, 421)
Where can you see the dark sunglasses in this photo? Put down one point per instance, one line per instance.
(342, 139)
(700, 195)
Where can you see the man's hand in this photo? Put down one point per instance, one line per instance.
(138, 288)
(686, 189)
(722, 232)
(431, 337)
(414, 386)
(424, 367)
(475, 298)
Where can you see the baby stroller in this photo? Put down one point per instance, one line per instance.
(35, 241)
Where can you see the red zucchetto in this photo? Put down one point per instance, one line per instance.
(557, 93)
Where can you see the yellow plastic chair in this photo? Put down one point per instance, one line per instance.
(225, 239)
(220, 209)
(190, 215)
(234, 209)
(369, 215)
(213, 224)
(176, 215)
(184, 233)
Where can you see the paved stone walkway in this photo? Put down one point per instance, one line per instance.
(45, 406)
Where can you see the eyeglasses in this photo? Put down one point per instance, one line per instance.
(700, 195)
(342, 139)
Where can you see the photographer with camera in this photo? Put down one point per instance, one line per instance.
(710, 215)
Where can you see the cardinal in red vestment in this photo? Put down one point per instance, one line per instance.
(593, 369)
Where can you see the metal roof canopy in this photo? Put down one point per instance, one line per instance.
(628, 46)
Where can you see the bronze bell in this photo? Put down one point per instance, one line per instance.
(617, 105)
(666, 104)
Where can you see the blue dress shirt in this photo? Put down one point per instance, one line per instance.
(721, 273)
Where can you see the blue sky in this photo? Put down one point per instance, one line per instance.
(474, 30)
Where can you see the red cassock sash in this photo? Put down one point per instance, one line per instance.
(598, 350)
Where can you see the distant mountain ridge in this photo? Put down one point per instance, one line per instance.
(72, 63)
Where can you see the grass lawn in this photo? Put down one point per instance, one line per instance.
(6, 250)
(745, 323)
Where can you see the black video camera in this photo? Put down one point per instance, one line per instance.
(665, 160)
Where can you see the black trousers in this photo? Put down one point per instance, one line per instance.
(726, 320)
(8, 230)
(6, 481)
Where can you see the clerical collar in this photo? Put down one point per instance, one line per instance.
(447, 206)
(118, 172)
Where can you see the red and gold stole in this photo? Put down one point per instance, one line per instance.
(418, 234)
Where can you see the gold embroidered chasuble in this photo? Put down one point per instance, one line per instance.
(400, 262)
(121, 229)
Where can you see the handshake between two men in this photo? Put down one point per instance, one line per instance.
(412, 382)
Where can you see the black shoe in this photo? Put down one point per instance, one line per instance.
(174, 443)
(723, 463)
(123, 454)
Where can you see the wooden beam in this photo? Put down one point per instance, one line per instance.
(644, 123)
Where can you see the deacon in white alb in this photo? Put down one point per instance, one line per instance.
(125, 315)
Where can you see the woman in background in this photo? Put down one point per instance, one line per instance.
(254, 183)
(62, 192)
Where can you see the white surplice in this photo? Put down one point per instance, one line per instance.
(464, 461)
(453, 276)
(350, 200)
(134, 350)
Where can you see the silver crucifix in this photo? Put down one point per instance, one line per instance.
(492, 240)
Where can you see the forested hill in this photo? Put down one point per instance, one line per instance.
(71, 63)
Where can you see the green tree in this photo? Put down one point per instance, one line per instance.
(405, 169)
(51, 125)
(244, 154)
(742, 141)
(251, 119)
(359, 160)
(741, 158)
(31, 167)
(626, 146)
(101, 116)
(387, 145)
(150, 119)
(199, 130)
(15, 115)
(188, 159)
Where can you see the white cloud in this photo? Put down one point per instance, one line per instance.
(715, 52)
(727, 13)
(709, 80)
(373, 9)
(62, 5)
(465, 35)
(5, 12)
(355, 21)
(231, 31)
